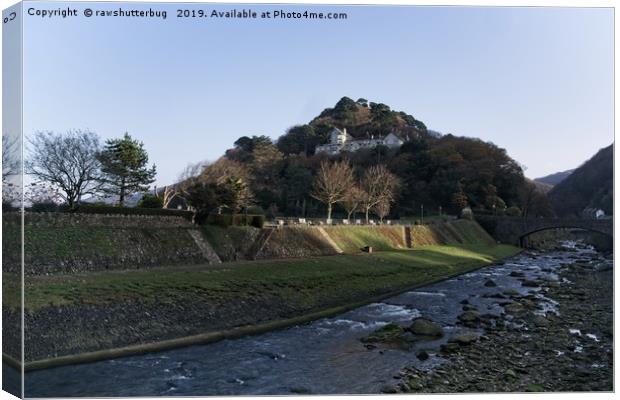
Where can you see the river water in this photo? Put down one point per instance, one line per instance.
(321, 357)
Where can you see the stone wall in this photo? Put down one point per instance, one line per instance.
(68, 243)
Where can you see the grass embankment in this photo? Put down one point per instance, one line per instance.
(306, 284)
(352, 238)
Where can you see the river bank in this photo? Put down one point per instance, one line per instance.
(534, 345)
(69, 315)
(333, 355)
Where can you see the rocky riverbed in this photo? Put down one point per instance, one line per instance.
(558, 337)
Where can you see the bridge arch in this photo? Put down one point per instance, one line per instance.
(512, 230)
(523, 236)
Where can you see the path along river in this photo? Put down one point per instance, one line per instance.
(322, 357)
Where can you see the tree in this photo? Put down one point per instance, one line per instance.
(299, 139)
(150, 201)
(124, 166)
(10, 156)
(11, 187)
(382, 209)
(166, 195)
(239, 196)
(223, 183)
(331, 183)
(203, 197)
(458, 201)
(68, 162)
(379, 184)
(352, 200)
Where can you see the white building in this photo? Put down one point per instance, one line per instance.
(340, 140)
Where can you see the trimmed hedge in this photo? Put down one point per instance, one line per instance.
(226, 220)
(91, 209)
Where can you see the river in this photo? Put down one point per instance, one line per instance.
(321, 357)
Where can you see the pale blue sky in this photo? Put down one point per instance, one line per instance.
(536, 81)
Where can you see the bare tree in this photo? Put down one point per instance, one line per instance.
(382, 209)
(67, 162)
(10, 156)
(352, 200)
(11, 171)
(379, 184)
(169, 193)
(223, 183)
(221, 170)
(332, 182)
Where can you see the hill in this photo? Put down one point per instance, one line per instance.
(363, 118)
(556, 178)
(590, 185)
(437, 173)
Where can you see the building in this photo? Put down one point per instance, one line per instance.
(340, 140)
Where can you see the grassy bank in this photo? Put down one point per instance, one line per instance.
(113, 313)
(304, 283)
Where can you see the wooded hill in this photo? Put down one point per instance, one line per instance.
(434, 170)
(589, 186)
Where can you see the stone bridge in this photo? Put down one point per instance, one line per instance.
(513, 230)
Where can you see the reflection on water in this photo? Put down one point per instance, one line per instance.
(324, 356)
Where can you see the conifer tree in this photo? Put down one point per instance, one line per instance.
(124, 167)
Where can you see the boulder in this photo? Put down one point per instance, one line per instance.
(387, 333)
(425, 327)
(422, 355)
(540, 321)
(470, 316)
(513, 308)
(490, 283)
(464, 339)
(529, 283)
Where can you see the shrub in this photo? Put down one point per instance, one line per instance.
(44, 206)
(513, 211)
(256, 210)
(8, 207)
(150, 201)
(226, 220)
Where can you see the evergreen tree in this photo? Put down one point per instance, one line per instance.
(124, 167)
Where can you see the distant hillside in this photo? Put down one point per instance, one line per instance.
(590, 185)
(556, 178)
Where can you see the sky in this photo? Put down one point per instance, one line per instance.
(535, 81)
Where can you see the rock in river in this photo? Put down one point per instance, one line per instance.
(464, 339)
(425, 327)
(387, 333)
(490, 283)
(470, 316)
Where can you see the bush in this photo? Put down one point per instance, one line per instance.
(150, 201)
(256, 210)
(44, 206)
(226, 220)
(8, 207)
(513, 211)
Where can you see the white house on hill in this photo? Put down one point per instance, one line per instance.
(340, 140)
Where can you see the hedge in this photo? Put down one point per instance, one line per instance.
(104, 209)
(226, 220)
